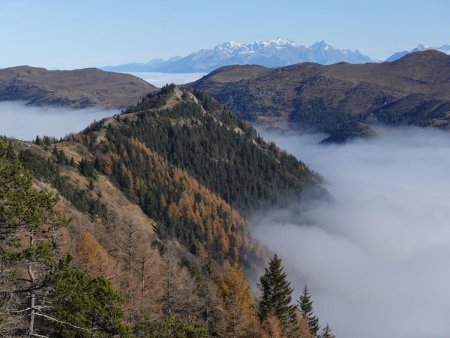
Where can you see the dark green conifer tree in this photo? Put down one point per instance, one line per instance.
(306, 309)
(326, 333)
(38, 141)
(36, 297)
(28, 223)
(62, 157)
(82, 305)
(277, 296)
(55, 152)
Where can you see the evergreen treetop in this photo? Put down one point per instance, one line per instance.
(276, 295)
(306, 309)
(326, 333)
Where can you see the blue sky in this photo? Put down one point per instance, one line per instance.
(83, 33)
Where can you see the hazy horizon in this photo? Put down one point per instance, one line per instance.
(62, 35)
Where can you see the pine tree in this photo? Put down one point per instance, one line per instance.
(84, 306)
(62, 157)
(38, 141)
(55, 152)
(326, 333)
(28, 224)
(39, 296)
(276, 296)
(173, 327)
(306, 309)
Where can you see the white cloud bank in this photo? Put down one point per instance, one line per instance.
(24, 122)
(376, 257)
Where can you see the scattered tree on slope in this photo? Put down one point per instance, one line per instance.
(306, 309)
(276, 297)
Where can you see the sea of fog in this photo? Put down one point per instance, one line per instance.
(376, 255)
(161, 79)
(21, 121)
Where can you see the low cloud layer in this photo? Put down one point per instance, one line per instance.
(377, 256)
(161, 79)
(25, 122)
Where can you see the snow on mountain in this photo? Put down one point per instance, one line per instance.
(394, 57)
(269, 53)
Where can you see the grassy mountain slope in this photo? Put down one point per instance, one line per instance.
(413, 90)
(71, 88)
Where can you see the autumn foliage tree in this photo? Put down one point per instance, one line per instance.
(92, 257)
(241, 317)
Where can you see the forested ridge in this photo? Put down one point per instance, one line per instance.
(223, 152)
(139, 228)
(192, 165)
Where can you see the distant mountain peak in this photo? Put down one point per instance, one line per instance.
(420, 48)
(322, 44)
(233, 44)
(229, 44)
(279, 42)
(268, 53)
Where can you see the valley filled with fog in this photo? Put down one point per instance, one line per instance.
(375, 254)
(21, 121)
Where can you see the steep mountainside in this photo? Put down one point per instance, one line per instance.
(413, 90)
(158, 198)
(270, 53)
(161, 284)
(75, 88)
(188, 163)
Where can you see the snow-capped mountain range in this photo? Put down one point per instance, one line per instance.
(444, 49)
(269, 53)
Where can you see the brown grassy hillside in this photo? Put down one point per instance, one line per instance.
(71, 88)
(413, 90)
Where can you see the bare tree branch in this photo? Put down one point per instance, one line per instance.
(62, 322)
(38, 335)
